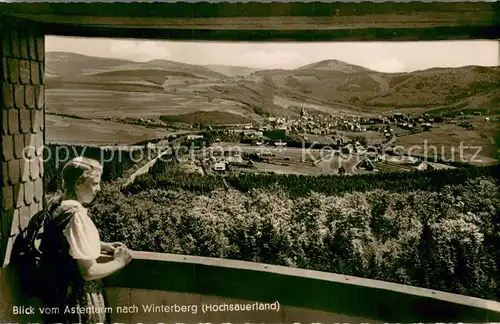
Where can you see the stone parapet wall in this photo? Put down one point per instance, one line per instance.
(22, 135)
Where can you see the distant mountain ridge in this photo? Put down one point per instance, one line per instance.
(335, 66)
(327, 87)
(64, 64)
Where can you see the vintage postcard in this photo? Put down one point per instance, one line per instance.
(250, 162)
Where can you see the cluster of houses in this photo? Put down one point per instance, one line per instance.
(318, 125)
(327, 125)
(220, 160)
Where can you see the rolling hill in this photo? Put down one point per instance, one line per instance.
(232, 71)
(70, 65)
(335, 66)
(62, 64)
(91, 86)
(439, 90)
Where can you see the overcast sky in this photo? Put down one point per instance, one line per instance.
(380, 56)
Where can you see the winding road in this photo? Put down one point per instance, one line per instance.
(145, 168)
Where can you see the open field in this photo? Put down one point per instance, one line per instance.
(289, 160)
(447, 139)
(294, 153)
(96, 132)
(214, 117)
(93, 103)
(288, 169)
(327, 110)
(330, 164)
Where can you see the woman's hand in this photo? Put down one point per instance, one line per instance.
(111, 247)
(122, 255)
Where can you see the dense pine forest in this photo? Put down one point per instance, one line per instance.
(435, 229)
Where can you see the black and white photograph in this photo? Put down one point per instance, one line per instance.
(151, 180)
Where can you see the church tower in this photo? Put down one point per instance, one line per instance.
(303, 112)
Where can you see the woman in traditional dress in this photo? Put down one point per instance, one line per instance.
(71, 247)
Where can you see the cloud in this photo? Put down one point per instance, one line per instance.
(388, 65)
(139, 51)
(270, 60)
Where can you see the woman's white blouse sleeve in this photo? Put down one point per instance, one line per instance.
(83, 236)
